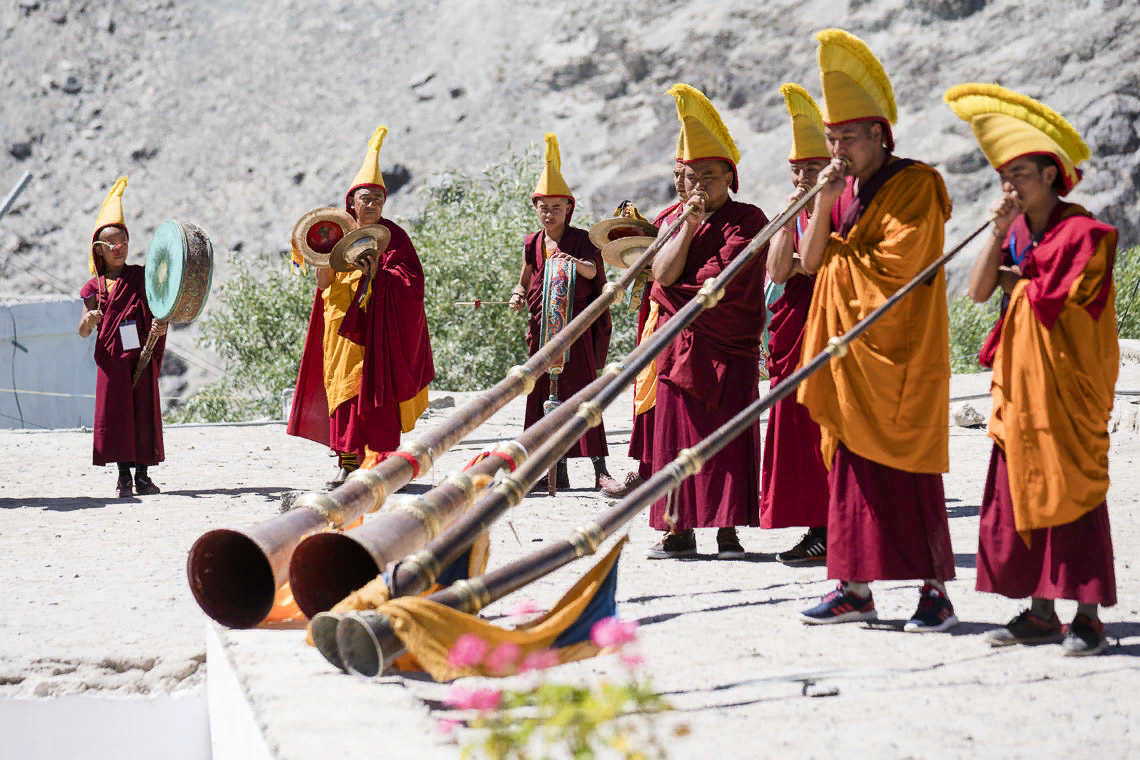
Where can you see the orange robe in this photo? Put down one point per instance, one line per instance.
(1044, 523)
(883, 409)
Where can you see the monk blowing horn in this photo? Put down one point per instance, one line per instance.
(417, 573)
(365, 642)
(234, 575)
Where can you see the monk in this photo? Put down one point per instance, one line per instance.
(1044, 530)
(883, 409)
(128, 418)
(557, 240)
(793, 478)
(641, 439)
(367, 362)
(710, 372)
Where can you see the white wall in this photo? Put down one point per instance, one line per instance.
(57, 361)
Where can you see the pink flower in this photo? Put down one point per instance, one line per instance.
(503, 658)
(468, 651)
(543, 659)
(458, 697)
(631, 660)
(446, 726)
(612, 632)
(486, 699)
(525, 608)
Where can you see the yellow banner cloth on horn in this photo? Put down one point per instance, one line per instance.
(809, 141)
(855, 85)
(429, 630)
(703, 134)
(110, 215)
(645, 384)
(1009, 125)
(550, 182)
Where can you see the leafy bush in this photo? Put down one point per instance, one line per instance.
(258, 333)
(970, 323)
(1127, 276)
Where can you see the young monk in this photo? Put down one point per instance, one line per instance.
(366, 365)
(711, 371)
(883, 409)
(793, 479)
(128, 418)
(1044, 529)
(554, 204)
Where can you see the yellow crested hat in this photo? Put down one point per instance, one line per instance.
(111, 215)
(703, 134)
(1009, 125)
(808, 138)
(550, 183)
(855, 86)
(369, 174)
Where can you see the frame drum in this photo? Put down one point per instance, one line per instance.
(179, 271)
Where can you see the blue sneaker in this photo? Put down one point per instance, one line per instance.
(840, 606)
(935, 613)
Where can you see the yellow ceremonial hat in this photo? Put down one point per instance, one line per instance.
(111, 215)
(703, 134)
(808, 138)
(550, 183)
(1009, 125)
(369, 174)
(855, 86)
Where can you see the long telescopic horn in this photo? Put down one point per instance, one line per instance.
(366, 644)
(234, 574)
(417, 573)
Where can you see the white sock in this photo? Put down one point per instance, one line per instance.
(936, 584)
(861, 590)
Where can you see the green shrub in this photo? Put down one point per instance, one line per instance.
(1127, 276)
(970, 323)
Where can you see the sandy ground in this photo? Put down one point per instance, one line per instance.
(97, 602)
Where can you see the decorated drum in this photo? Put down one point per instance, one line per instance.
(557, 304)
(179, 270)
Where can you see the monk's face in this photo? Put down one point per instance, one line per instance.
(552, 212)
(679, 180)
(368, 203)
(861, 143)
(1032, 184)
(111, 246)
(805, 173)
(710, 176)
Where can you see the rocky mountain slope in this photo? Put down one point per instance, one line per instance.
(242, 116)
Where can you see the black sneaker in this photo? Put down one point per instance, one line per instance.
(840, 606)
(1026, 628)
(683, 544)
(811, 550)
(935, 613)
(1084, 637)
(728, 545)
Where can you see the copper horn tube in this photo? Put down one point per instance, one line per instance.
(366, 644)
(328, 567)
(416, 573)
(222, 562)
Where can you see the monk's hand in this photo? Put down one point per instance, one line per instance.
(1004, 211)
(92, 318)
(516, 302)
(790, 225)
(833, 178)
(1008, 277)
(697, 200)
(160, 327)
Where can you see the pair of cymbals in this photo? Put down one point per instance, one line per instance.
(622, 239)
(325, 237)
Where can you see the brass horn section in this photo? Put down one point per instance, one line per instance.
(407, 578)
(365, 642)
(234, 575)
(328, 567)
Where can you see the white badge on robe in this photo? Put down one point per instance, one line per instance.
(129, 335)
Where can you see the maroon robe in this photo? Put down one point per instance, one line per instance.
(793, 480)
(588, 353)
(1072, 561)
(882, 523)
(397, 358)
(128, 421)
(641, 438)
(710, 372)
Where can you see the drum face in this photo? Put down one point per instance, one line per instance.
(179, 271)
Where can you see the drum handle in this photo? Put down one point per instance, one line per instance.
(144, 357)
